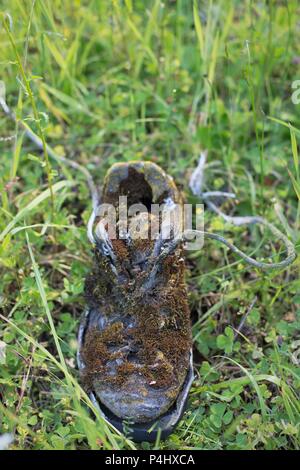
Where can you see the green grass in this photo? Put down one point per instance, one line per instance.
(108, 81)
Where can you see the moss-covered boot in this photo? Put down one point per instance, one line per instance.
(135, 339)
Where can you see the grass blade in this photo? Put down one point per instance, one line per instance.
(33, 204)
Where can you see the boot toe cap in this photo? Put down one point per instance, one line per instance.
(136, 399)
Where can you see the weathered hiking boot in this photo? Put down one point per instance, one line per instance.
(135, 339)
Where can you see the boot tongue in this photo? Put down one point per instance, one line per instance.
(133, 253)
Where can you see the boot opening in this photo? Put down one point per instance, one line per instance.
(137, 190)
